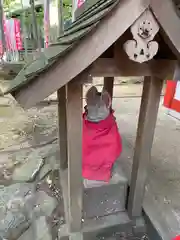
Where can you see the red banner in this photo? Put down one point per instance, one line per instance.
(172, 95)
(17, 30)
(12, 34)
(177, 238)
(170, 92)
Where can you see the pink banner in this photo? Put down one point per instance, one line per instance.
(12, 34)
(80, 2)
(17, 30)
(5, 33)
(46, 33)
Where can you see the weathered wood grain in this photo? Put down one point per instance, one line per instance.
(74, 130)
(144, 140)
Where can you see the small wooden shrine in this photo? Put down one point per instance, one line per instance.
(109, 38)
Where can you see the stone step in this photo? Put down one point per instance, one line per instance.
(106, 198)
(99, 200)
(93, 229)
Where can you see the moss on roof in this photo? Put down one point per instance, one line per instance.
(85, 23)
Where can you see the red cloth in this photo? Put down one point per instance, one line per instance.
(177, 238)
(101, 147)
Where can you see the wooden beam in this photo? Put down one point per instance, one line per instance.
(74, 129)
(65, 70)
(158, 68)
(162, 9)
(108, 67)
(108, 85)
(142, 153)
(61, 95)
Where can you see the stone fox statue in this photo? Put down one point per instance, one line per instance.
(101, 140)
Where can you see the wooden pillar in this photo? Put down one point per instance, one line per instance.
(61, 95)
(147, 121)
(60, 17)
(74, 129)
(35, 26)
(108, 85)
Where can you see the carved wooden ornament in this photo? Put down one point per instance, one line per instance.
(142, 48)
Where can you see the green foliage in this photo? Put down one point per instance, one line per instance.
(67, 9)
(8, 3)
(40, 17)
(14, 8)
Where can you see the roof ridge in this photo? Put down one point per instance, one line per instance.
(90, 8)
(78, 34)
(94, 9)
(99, 14)
(65, 44)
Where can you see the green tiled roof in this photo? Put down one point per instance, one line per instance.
(87, 21)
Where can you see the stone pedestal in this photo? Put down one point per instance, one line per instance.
(107, 198)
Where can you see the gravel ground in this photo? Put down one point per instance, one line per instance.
(163, 185)
(19, 128)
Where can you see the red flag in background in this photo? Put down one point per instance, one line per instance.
(170, 92)
(17, 29)
(172, 95)
(177, 238)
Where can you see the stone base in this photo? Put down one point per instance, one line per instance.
(99, 201)
(139, 225)
(108, 198)
(76, 236)
(93, 228)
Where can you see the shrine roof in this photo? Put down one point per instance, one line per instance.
(99, 25)
(84, 24)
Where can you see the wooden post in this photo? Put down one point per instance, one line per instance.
(74, 7)
(108, 85)
(46, 23)
(74, 129)
(24, 30)
(145, 133)
(35, 26)
(61, 95)
(62, 100)
(60, 18)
